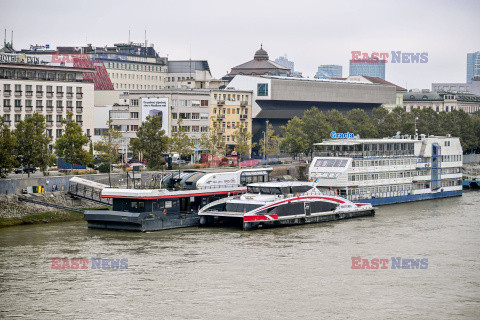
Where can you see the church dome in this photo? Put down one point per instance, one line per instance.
(261, 54)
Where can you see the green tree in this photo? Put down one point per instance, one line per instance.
(243, 141)
(180, 142)
(362, 123)
(295, 140)
(212, 141)
(71, 146)
(7, 145)
(151, 141)
(108, 147)
(337, 121)
(270, 143)
(315, 125)
(32, 142)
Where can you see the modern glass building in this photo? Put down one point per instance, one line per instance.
(473, 65)
(370, 68)
(328, 71)
(283, 61)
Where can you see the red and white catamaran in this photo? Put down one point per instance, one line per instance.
(274, 204)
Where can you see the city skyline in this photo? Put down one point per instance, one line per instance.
(50, 22)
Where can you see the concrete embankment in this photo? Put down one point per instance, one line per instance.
(14, 212)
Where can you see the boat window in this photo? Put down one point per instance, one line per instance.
(134, 205)
(330, 162)
(141, 205)
(253, 189)
(168, 204)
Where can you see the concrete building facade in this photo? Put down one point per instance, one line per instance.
(52, 91)
(441, 101)
(279, 99)
(193, 106)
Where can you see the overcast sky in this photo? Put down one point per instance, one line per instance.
(227, 33)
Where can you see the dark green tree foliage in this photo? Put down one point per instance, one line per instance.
(362, 123)
(315, 125)
(151, 141)
(382, 123)
(32, 142)
(71, 146)
(295, 140)
(7, 149)
(338, 122)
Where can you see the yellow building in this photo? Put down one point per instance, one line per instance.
(229, 111)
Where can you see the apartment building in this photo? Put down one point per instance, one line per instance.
(190, 105)
(193, 106)
(229, 111)
(27, 87)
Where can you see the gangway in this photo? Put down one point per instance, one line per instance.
(88, 190)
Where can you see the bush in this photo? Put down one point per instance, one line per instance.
(104, 167)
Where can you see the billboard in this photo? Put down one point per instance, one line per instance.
(156, 106)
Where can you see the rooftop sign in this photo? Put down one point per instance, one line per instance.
(335, 135)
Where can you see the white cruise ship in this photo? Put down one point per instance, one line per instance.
(390, 170)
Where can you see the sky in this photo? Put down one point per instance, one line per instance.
(227, 33)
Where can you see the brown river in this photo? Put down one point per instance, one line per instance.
(303, 272)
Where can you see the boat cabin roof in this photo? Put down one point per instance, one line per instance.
(163, 193)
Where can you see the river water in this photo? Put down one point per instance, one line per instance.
(302, 272)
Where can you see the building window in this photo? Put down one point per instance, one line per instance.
(204, 103)
(195, 116)
(174, 115)
(134, 115)
(262, 89)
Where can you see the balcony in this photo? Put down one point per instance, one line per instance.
(79, 109)
(79, 95)
(49, 94)
(80, 123)
(39, 94)
(28, 109)
(18, 93)
(59, 109)
(69, 109)
(221, 131)
(29, 94)
(243, 103)
(220, 102)
(7, 93)
(8, 122)
(243, 116)
(221, 116)
(7, 109)
(49, 124)
(49, 109)
(16, 121)
(69, 95)
(18, 108)
(59, 124)
(39, 108)
(59, 94)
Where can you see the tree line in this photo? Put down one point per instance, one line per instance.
(29, 145)
(300, 134)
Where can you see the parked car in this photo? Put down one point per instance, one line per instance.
(25, 169)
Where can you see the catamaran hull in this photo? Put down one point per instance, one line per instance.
(252, 225)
